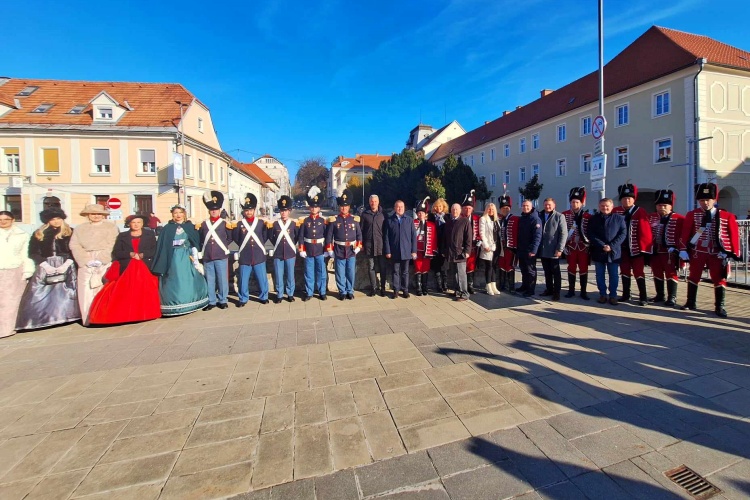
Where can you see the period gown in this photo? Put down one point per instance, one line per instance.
(132, 292)
(181, 287)
(50, 297)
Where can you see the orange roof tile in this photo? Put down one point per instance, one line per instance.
(371, 161)
(656, 53)
(153, 104)
(254, 171)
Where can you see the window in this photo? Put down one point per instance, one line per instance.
(211, 174)
(101, 199)
(188, 167)
(201, 173)
(561, 169)
(200, 124)
(492, 154)
(143, 204)
(522, 145)
(493, 179)
(521, 174)
(585, 126)
(622, 113)
(189, 205)
(27, 91)
(663, 150)
(12, 161)
(42, 108)
(506, 177)
(535, 142)
(221, 174)
(101, 161)
(148, 161)
(621, 157)
(51, 161)
(506, 150)
(586, 163)
(471, 160)
(105, 113)
(535, 170)
(13, 205)
(481, 158)
(661, 104)
(561, 133)
(77, 109)
(520, 199)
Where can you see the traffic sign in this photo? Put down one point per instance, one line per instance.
(114, 203)
(597, 147)
(599, 126)
(115, 215)
(597, 185)
(598, 167)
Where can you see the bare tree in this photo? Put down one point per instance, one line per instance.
(312, 172)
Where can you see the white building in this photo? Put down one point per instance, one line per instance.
(278, 172)
(426, 139)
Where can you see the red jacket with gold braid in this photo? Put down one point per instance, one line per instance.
(509, 232)
(666, 235)
(577, 240)
(475, 228)
(426, 239)
(726, 234)
(639, 240)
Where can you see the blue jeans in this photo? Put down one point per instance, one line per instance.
(283, 276)
(315, 275)
(217, 277)
(246, 272)
(612, 269)
(345, 274)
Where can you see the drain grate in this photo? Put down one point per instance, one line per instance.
(692, 482)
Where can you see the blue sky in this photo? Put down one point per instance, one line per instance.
(298, 79)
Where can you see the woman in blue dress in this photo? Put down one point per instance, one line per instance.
(182, 288)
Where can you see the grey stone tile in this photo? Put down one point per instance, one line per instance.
(296, 490)
(394, 473)
(534, 465)
(702, 453)
(655, 434)
(562, 491)
(636, 482)
(341, 485)
(487, 482)
(733, 481)
(464, 455)
(737, 401)
(708, 386)
(430, 491)
(599, 485)
(611, 446)
(566, 456)
(576, 424)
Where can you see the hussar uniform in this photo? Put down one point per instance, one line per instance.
(506, 247)
(577, 245)
(638, 244)
(665, 260)
(251, 235)
(311, 242)
(709, 239)
(426, 246)
(343, 243)
(283, 236)
(471, 261)
(215, 237)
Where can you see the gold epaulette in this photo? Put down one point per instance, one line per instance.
(198, 226)
(231, 225)
(269, 224)
(356, 218)
(300, 221)
(331, 219)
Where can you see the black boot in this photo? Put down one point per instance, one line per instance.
(470, 283)
(692, 295)
(418, 284)
(719, 293)
(659, 285)
(501, 280)
(584, 285)
(625, 289)
(642, 292)
(671, 293)
(571, 286)
(424, 284)
(439, 282)
(511, 277)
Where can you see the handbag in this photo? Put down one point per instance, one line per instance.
(54, 262)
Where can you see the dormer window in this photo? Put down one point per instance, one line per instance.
(43, 108)
(27, 91)
(200, 124)
(77, 110)
(105, 113)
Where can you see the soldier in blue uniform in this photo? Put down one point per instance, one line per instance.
(215, 237)
(312, 247)
(283, 236)
(343, 242)
(251, 234)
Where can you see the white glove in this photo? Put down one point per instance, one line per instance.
(94, 263)
(722, 255)
(356, 250)
(479, 243)
(303, 254)
(47, 268)
(27, 276)
(194, 254)
(684, 255)
(670, 249)
(330, 253)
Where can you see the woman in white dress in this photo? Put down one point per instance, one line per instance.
(15, 268)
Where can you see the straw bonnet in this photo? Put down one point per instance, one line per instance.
(94, 209)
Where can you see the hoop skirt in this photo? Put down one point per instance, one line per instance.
(182, 289)
(132, 296)
(46, 304)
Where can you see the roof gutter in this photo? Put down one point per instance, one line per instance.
(693, 169)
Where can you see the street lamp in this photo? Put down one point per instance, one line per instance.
(181, 181)
(363, 179)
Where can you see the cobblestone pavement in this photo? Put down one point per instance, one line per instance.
(378, 398)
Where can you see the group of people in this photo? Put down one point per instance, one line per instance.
(99, 275)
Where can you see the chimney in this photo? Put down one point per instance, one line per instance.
(506, 112)
(518, 107)
(486, 122)
(545, 92)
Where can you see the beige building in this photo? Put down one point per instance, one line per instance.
(344, 169)
(73, 142)
(678, 112)
(278, 173)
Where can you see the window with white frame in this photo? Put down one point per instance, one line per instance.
(520, 199)
(522, 145)
(535, 141)
(104, 113)
(622, 115)
(663, 150)
(492, 154)
(561, 169)
(586, 163)
(585, 126)
(535, 170)
(471, 160)
(621, 156)
(493, 179)
(188, 166)
(506, 150)
(506, 177)
(521, 174)
(200, 124)
(662, 104)
(221, 174)
(211, 173)
(11, 161)
(148, 161)
(101, 161)
(201, 173)
(561, 133)
(481, 158)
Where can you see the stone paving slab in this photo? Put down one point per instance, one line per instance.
(421, 398)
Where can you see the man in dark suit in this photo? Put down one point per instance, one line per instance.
(607, 232)
(456, 244)
(554, 236)
(400, 245)
(529, 239)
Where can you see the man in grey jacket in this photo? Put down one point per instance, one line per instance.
(554, 236)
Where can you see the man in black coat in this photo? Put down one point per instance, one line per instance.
(371, 222)
(400, 245)
(458, 239)
(607, 232)
(529, 239)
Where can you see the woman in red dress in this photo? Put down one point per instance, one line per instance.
(132, 292)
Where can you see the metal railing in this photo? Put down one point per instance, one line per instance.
(740, 273)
